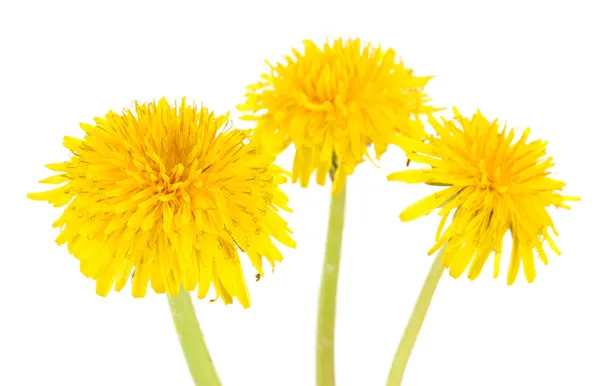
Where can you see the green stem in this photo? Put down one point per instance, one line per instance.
(328, 294)
(192, 342)
(415, 322)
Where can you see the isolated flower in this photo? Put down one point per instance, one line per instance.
(332, 103)
(172, 192)
(493, 184)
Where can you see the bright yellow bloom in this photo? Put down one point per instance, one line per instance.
(493, 184)
(173, 193)
(335, 101)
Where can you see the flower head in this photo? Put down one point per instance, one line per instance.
(332, 103)
(493, 184)
(173, 193)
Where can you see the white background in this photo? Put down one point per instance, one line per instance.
(533, 64)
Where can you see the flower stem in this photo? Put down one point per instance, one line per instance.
(192, 342)
(415, 322)
(328, 294)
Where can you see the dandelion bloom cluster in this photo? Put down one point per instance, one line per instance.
(493, 184)
(332, 103)
(172, 193)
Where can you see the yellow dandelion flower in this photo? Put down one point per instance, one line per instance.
(493, 184)
(171, 193)
(332, 103)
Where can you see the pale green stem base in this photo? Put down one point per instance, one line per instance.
(415, 322)
(192, 342)
(328, 295)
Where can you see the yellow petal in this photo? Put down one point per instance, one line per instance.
(427, 204)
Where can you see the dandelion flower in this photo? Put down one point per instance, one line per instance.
(332, 103)
(171, 193)
(493, 184)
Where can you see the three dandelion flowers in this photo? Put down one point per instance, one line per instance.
(172, 196)
(174, 193)
(332, 103)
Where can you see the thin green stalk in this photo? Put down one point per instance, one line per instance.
(328, 294)
(415, 322)
(192, 342)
